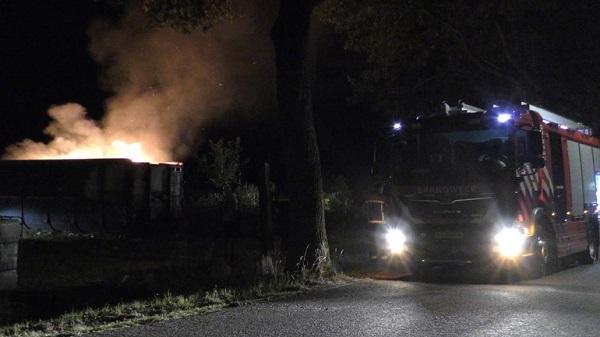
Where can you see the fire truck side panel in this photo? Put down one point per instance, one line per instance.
(587, 172)
(556, 166)
(596, 152)
(581, 197)
(566, 181)
(575, 179)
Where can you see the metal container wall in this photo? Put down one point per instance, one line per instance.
(166, 191)
(87, 195)
(10, 234)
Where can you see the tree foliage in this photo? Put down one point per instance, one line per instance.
(419, 48)
(222, 165)
(188, 15)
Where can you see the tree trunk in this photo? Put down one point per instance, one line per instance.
(305, 233)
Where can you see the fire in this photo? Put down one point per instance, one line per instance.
(116, 149)
(132, 151)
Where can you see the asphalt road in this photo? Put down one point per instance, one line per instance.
(563, 304)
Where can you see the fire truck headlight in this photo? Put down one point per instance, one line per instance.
(510, 242)
(396, 241)
(503, 117)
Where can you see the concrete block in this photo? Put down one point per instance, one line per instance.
(8, 256)
(8, 280)
(10, 230)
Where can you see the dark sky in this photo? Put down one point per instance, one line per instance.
(571, 60)
(44, 60)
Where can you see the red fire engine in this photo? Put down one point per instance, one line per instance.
(511, 187)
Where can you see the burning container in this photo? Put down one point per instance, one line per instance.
(90, 195)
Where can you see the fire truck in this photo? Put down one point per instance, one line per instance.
(507, 188)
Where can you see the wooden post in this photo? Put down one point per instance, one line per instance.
(266, 208)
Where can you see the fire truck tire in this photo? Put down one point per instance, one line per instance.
(376, 262)
(421, 272)
(591, 254)
(375, 266)
(545, 259)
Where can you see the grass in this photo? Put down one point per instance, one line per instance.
(161, 307)
(171, 306)
(125, 314)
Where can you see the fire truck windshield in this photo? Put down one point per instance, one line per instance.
(463, 150)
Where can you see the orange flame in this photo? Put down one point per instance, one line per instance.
(117, 149)
(132, 151)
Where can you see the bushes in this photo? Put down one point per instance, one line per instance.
(217, 192)
(220, 178)
(247, 198)
(222, 166)
(338, 198)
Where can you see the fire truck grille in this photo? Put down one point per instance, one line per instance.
(459, 208)
(457, 242)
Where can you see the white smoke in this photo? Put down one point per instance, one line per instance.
(167, 85)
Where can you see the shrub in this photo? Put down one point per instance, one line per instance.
(247, 197)
(339, 199)
(222, 166)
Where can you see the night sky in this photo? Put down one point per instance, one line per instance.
(45, 60)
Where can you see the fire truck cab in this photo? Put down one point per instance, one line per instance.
(513, 187)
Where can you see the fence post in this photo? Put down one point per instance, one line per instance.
(266, 209)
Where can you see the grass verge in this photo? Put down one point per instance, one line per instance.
(162, 307)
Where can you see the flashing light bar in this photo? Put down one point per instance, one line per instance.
(562, 122)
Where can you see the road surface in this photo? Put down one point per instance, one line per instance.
(563, 304)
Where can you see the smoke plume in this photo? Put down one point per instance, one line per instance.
(167, 86)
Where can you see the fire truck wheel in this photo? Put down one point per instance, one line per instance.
(591, 255)
(376, 263)
(421, 272)
(545, 260)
